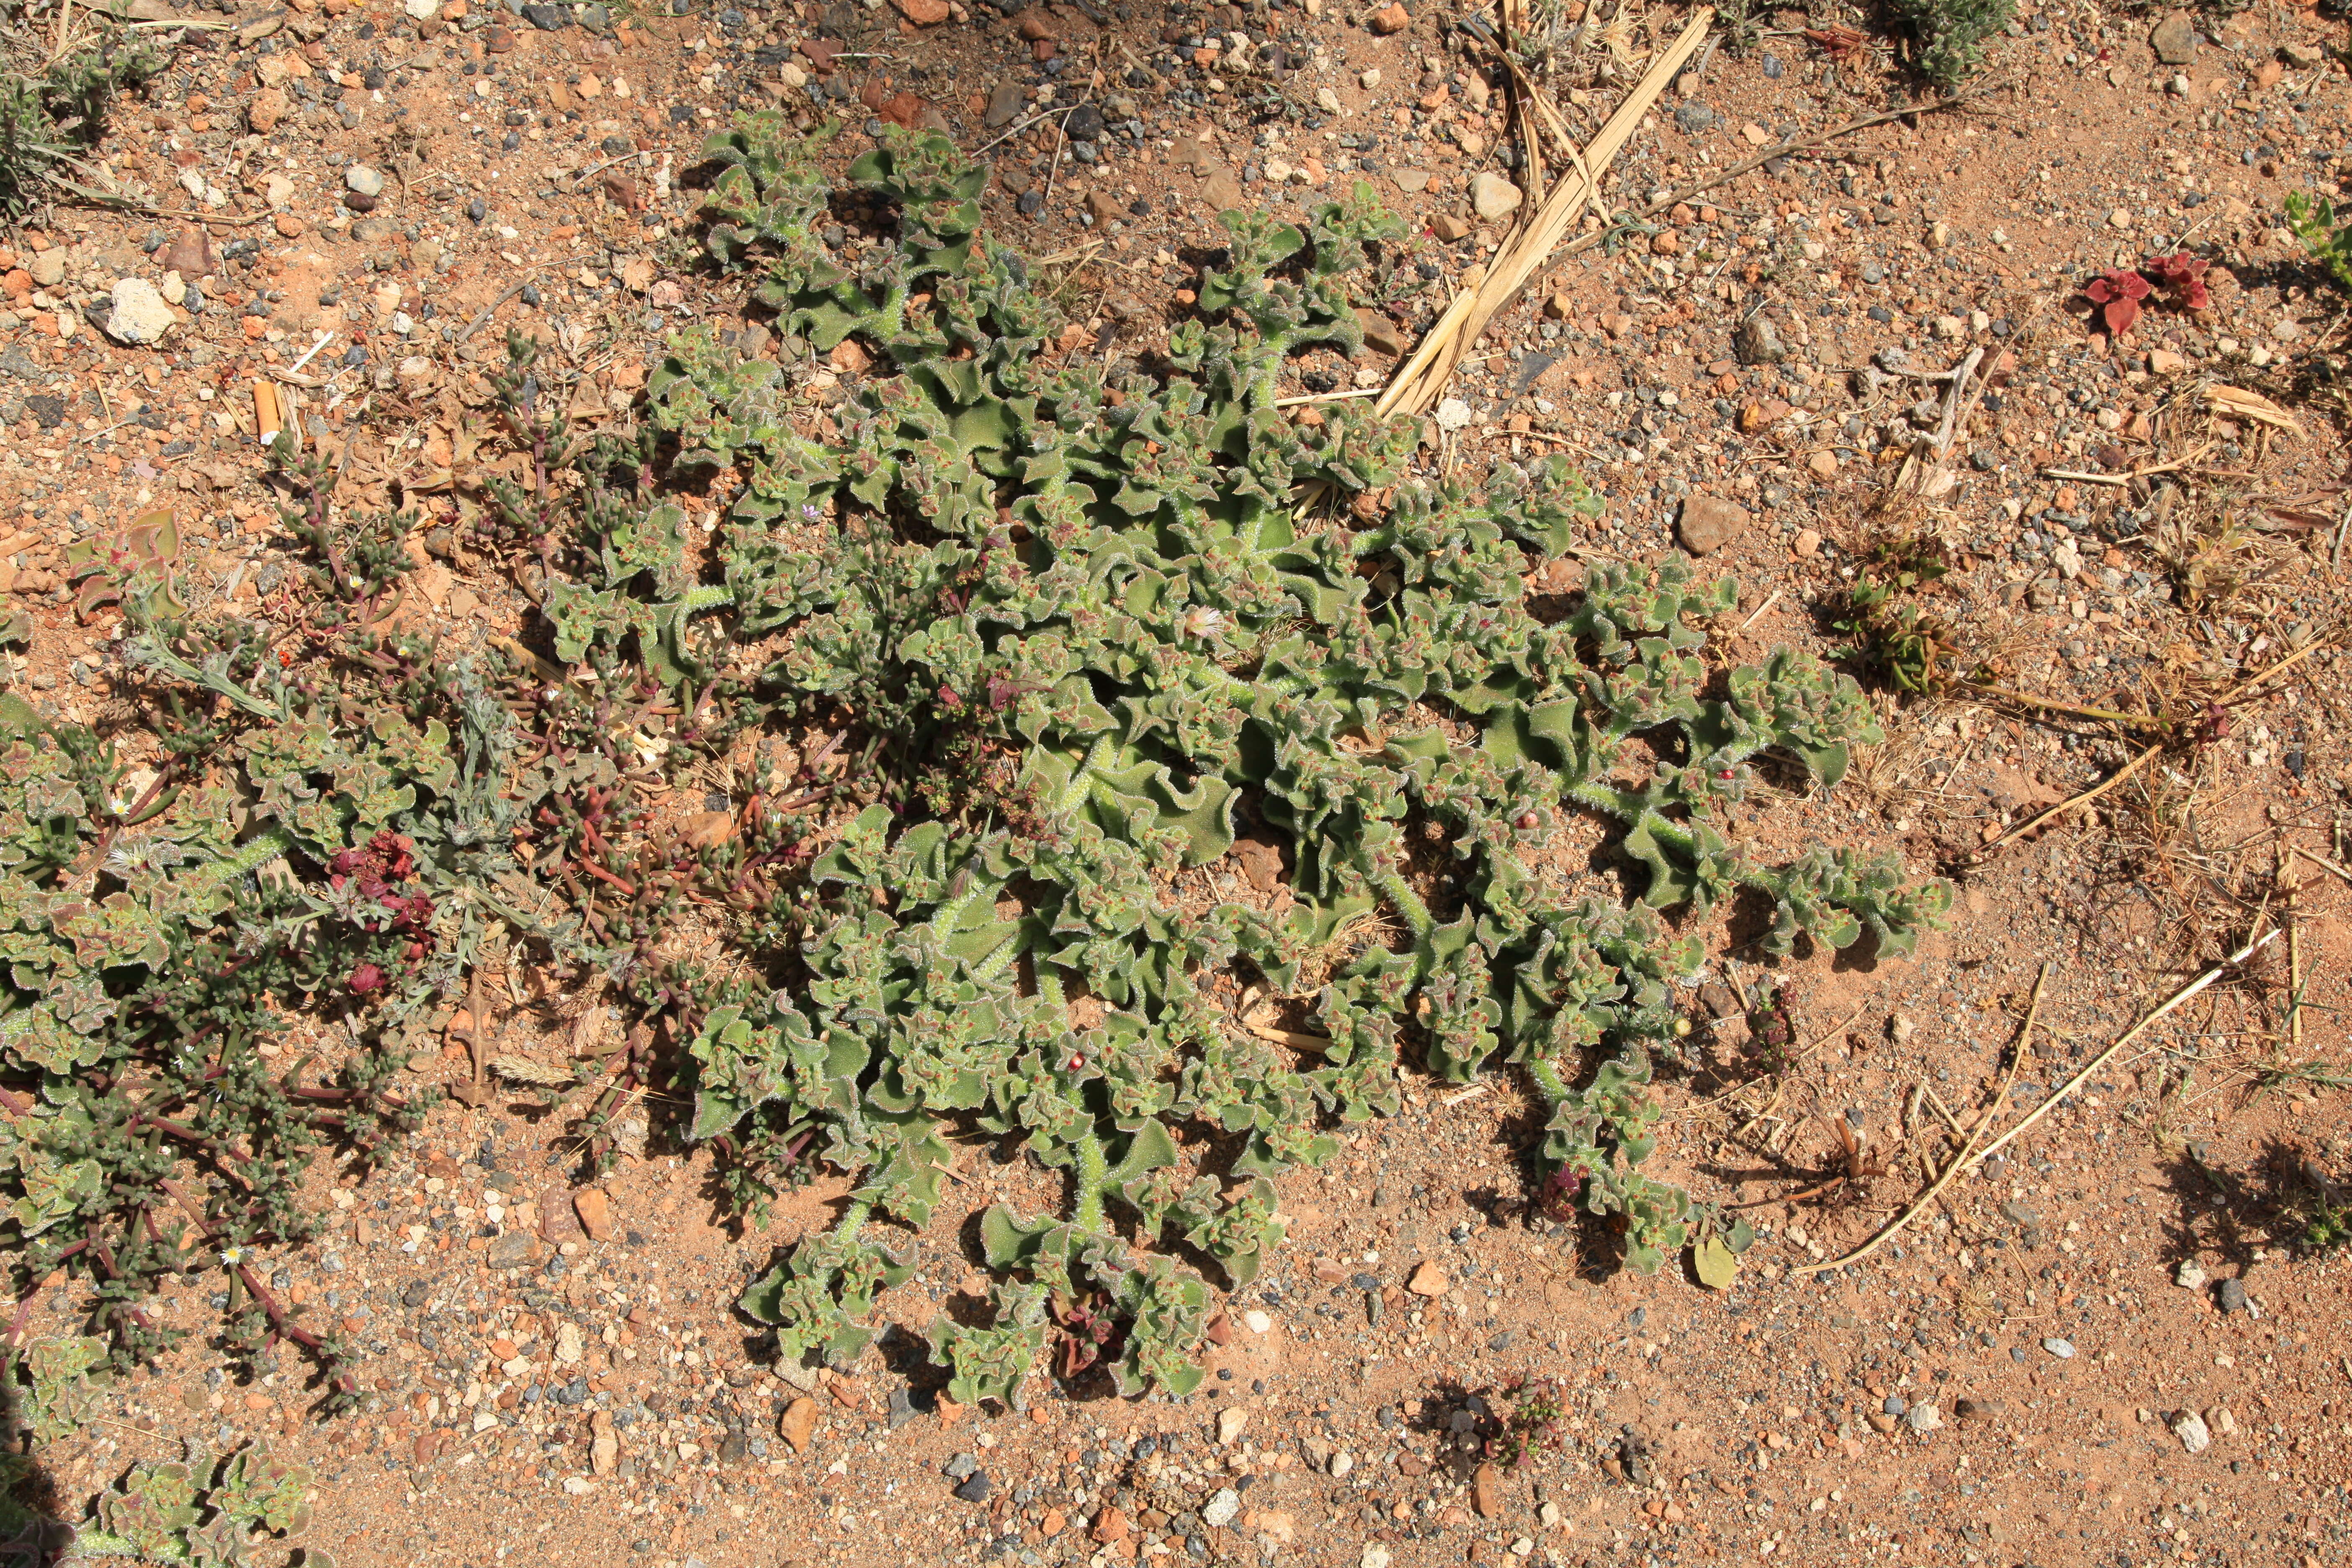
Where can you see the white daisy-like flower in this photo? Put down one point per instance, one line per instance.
(1203, 621)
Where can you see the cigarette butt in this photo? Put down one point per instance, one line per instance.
(265, 412)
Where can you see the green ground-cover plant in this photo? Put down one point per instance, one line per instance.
(1099, 571)
(237, 1509)
(1047, 630)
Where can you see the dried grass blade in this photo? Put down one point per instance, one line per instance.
(1418, 383)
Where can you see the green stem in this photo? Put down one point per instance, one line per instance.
(1408, 903)
(996, 962)
(1094, 1172)
(854, 1219)
(894, 313)
(1082, 776)
(1549, 1081)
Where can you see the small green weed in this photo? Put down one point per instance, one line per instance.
(1909, 646)
(47, 122)
(1948, 36)
(2311, 220)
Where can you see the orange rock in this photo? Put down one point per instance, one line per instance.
(798, 1422)
(1110, 1526)
(596, 1212)
(503, 1348)
(1391, 18)
(1054, 1523)
(1428, 1279)
(1486, 1492)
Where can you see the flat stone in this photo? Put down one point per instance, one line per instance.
(1453, 414)
(1381, 335)
(1005, 105)
(1428, 1279)
(548, 19)
(2190, 1428)
(1221, 1509)
(513, 1250)
(190, 255)
(1230, 1425)
(267, 108)
(1413, 182)
(1494, 197)
(596, 1212)
(2190, 1275)
(1449, 227)
(923, 13)
(1220, 192)
(360, 180)
(139, 315)
(421, 10)
(1709, 522)
(48, 268)
(1758, 341)
(977, 1487)
(2175, 39)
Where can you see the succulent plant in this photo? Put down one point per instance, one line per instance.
(1072, 622)
(1100, 572)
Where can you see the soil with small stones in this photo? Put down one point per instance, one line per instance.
(2012, 1379)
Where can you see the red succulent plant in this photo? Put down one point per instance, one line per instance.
(2181, 276)
(2117, 294)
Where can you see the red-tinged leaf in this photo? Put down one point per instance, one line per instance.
(2120, 314)
(2196, 296)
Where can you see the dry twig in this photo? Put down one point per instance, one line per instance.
(1966, 1155)
(2177, 1000)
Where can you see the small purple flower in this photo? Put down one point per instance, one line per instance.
(812, 512)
